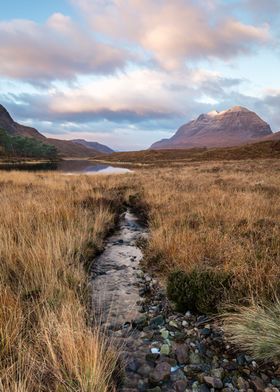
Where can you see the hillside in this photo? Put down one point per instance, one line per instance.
(261, 150)
(102, 148)
(231, 127)
(64, 147)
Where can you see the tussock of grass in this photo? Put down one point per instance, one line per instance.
(48, 222)
(257, 330)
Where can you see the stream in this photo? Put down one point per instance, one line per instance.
(163, 350)
(115, 291)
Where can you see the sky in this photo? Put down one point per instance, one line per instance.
(127, 73)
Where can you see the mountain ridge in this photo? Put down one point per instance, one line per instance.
(231, 127)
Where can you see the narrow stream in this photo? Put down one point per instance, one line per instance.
(115, 288)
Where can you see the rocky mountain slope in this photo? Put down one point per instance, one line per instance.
(231, 127)
(64, 147)
(102, 148)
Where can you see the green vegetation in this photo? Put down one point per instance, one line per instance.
(25, 147)
(202, 291)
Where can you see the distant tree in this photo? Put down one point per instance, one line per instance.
(25, 147)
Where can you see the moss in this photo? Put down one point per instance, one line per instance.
(199, 291)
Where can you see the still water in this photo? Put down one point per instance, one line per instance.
(68, 167)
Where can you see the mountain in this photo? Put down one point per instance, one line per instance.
(95, 145)
(15, 129)
(64, 147)
(231, 127)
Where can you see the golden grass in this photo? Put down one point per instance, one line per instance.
(218, 216)
(48, 224)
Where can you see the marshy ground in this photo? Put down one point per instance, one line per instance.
(213, 243)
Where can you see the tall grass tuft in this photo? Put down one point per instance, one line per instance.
(256, 329)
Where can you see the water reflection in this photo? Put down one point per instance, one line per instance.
(87, 167)
(68, 167)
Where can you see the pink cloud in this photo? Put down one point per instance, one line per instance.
(58, 49)
(176, 31)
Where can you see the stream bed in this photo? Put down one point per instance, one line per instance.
(162, 350)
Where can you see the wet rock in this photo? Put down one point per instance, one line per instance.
(156, 389)
(160, 373)
(214, 382)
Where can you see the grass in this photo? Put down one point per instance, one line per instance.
(254, 151)
(256, 330)
(48, 223)
(220, 217)
(210, 223)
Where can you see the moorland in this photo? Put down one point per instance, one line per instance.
(213, 242)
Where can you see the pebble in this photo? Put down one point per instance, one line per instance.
(214, 382)
(165, 349)
(160, 373)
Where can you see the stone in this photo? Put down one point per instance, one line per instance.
(173, 324)
(204, 388)
(194, 358)
(218, 373)
(214, 382)
(140, 322)
(180, 385)
(144, 370)
(165, 350)
(152, 357)
(165, 334)
(275, 382)
(160, 373)
(241, 383)
(181, 353)
(157, 321)
(156, 389)
(257, 384)
(205, 332)
(191, 370)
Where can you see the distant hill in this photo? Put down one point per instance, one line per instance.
(261, 150)
(102, 148)
(231, 127)
(64, 147)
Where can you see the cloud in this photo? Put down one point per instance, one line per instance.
(123, 98)
(58, 49)
(174, 32)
